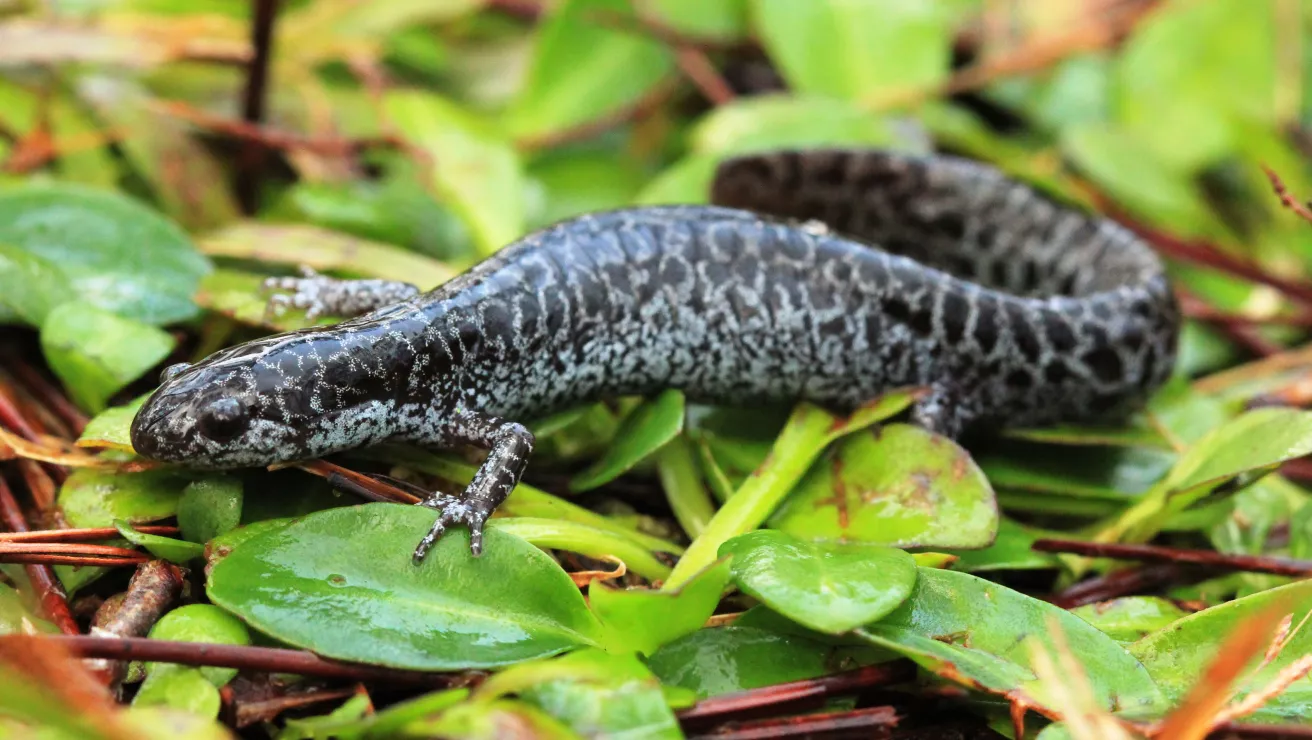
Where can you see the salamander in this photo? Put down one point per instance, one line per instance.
(827, 276)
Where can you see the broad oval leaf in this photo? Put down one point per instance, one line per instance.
(95, 498)
(210, 507)
(726, 659)
(96, 353)
(118, 254)
(583, 70)
(899, 486)
(829, 587)
(341, 583)
(970, 630)
(31, 286)
(598, 694)
(1179, 654)
(856, 50)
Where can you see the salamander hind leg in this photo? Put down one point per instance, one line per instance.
(320, 294)
(940, 411)
(510, 445)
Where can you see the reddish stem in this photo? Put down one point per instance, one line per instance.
(48, 590)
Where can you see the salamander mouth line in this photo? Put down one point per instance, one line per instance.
(826, 275)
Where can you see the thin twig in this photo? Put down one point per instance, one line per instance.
(48, 590)
(86, 534)
(1286, 199)
(247, 658)
(251, 165)
(808, 692)
(1158, 554)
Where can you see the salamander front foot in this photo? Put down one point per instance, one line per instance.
(472, 513)
(320, 295)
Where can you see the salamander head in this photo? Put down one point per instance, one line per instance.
(278, 399)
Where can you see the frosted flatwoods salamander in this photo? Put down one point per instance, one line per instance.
(827, 276)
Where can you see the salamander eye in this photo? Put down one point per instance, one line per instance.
(172, 371)
(222, 420)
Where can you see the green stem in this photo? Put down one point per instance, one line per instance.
(680, 477)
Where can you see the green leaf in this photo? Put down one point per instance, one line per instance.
(119, 256)
(809, 430)
(645, 430)
(201, 623)
(179, 687)
(474, 168)
(1011, 550)
(1184, 79)
(722, 20)
(1179, 654)
(856, 50)
(643, 620)
(476, 720)
(17, 619)
(584, 69)
(1249, 445)
(1130, 617)
(341, 583)
(209, 507)
(31, 286)
(346, 722)
(168, 548)
(593, 692)
(96, 353)
(113, 426)
(828, 587)
(727, 659)
(897, 485)
(970, 630)
(1134, 176)
(95, 498)
(324, 249)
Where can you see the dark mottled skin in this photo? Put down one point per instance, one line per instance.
(881, 271)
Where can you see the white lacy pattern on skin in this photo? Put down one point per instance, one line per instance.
(1046, 315)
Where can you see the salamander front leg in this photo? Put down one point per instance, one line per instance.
(320, 294)
(940, 411)
(510, 446)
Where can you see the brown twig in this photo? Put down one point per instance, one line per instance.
(49, 395)
(13, 419)
(809, 692)
(251, 164)
(643, 107)
(65, 548)
(360, 484)
(1120, 583)
(96, 561)
(272, 138)
(248, 658)
(1286, 199)
(153, 588)
(50, 594)
(1207, 255)
(697, 67)
(1159, 554)
(86, 534)
(870, 722)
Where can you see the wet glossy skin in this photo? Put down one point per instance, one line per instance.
(926, 271)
